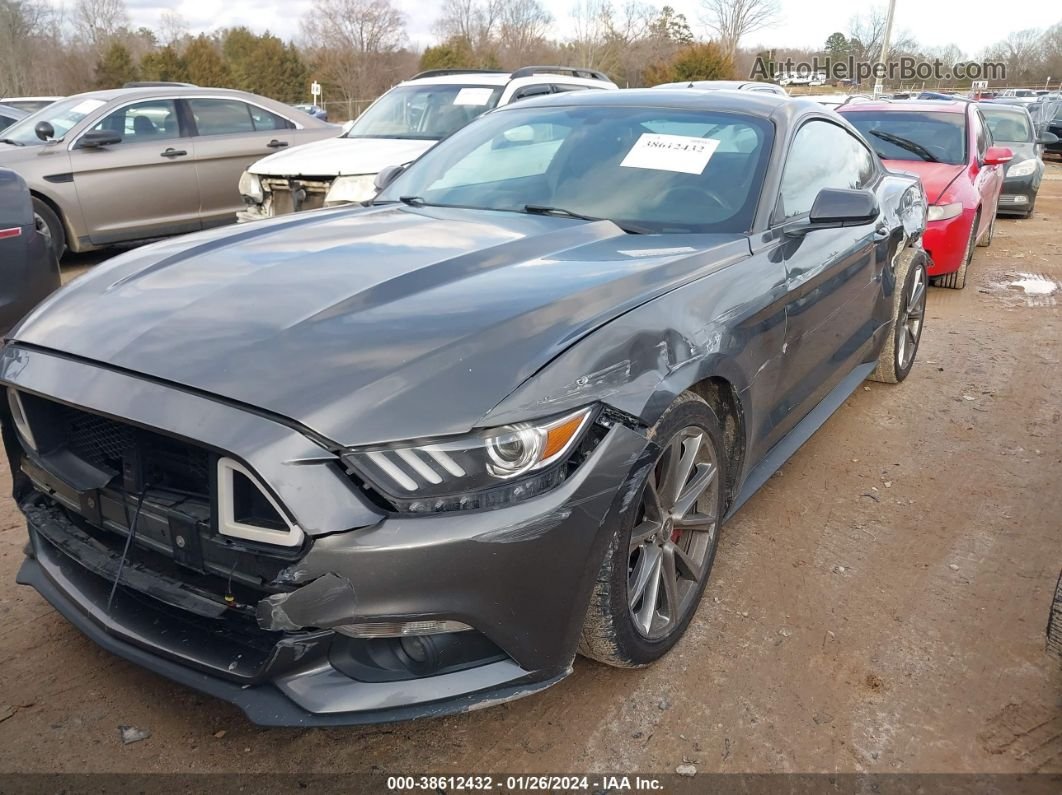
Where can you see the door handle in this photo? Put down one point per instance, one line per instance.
(171, 152)
(275, 144)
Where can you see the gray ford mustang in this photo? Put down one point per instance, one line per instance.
(401, 460)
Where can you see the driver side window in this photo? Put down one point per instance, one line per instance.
(823, 155)
(153, 120)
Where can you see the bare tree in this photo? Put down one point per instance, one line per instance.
(589, 20)
(473, 21)
(23, 24)
(173, 28)
(866, 31)
(352, 40)
(522, 28)
(730, 20)
(1022, 52)
(98, 21)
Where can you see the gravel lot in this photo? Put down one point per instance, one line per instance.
(878, 606)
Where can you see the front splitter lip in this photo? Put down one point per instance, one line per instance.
(265, 704)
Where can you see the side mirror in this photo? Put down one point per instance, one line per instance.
(386, 176)
(835, 207)
(998, 155)
(44, 130)
(1047, 138)
(94, 139)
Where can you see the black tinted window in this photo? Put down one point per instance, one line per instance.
(266, 120)
(1008, 127)
(913, 135)
(823, 155)
(221, 116)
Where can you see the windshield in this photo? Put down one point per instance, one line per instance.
(61, 115)
(647, 169)
(1007, 126)
(914, 135)
(430, 112)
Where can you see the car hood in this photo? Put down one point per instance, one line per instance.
(936, 177)
(333, 157)
(368, 325)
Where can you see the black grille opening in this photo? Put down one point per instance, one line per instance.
(139, 458)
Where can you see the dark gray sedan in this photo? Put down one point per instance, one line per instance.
(384, 462)
(28, 271)
(1011, 126)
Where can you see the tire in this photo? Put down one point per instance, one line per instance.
(957, 280)
(908, 319)
(633, 632)
(986, 241)
(1054, 622)
(49, 224)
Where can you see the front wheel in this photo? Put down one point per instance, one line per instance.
(659, 558)
(986, 241)
(908, 315)
(957, 279)
(50, 226)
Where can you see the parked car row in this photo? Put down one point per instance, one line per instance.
(396, 129)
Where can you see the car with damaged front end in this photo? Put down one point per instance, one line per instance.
(382, 462)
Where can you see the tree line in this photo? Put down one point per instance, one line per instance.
(359, 48)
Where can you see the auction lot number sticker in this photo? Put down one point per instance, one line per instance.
(680, 153)
(543, 783)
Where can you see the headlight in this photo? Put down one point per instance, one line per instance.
(487, 469)
(251, 187)
(346, 190)
(942, 212)
(1022, 169)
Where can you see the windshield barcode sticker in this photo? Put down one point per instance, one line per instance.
(473, 96)
(671, 153)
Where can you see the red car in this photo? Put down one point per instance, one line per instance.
(948, 145)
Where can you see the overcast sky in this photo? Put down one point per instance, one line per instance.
(804, 23)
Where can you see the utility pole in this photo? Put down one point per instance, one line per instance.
(884, 55)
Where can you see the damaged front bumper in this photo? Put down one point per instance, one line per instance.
(296, 641)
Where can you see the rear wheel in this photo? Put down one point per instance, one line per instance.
(957, 280)
(49, 225)
(908, 314)
(659, 559)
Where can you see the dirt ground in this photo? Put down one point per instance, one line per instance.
(879, 606)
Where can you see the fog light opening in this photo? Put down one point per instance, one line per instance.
(18, 415)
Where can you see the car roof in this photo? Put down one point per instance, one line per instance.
(1004, 107)
(462, 79)
(29, 99)
(717, 84)
(107, 95)
(754, 103)
(926, 105)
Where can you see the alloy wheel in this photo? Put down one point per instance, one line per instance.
(672, 542)
(911, 320)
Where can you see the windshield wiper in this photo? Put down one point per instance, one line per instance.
(540, 209)
(11, 141)
(412, 201)
(905, 143)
